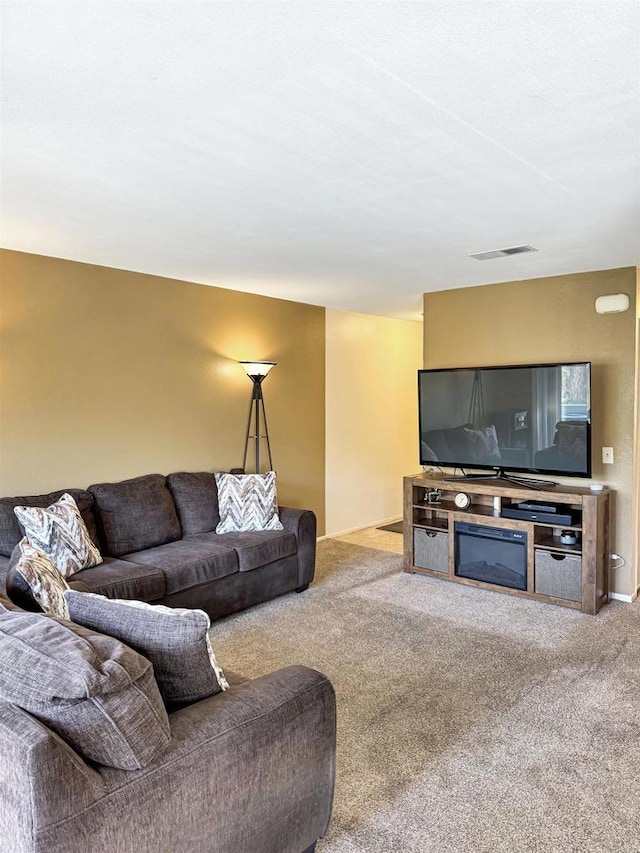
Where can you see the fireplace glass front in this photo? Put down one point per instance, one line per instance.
(491, 554)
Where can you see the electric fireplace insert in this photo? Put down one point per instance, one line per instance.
(491, 554)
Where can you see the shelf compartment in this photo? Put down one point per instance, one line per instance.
(449, 506)
(440, 524)
(553, 543)
(430, 515)
(572, 510)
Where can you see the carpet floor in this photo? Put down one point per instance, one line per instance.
(468, 721)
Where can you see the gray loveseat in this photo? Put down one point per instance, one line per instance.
(249, 770)
(157, 537)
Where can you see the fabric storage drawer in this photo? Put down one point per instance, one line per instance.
(431, 550)
(558, 575)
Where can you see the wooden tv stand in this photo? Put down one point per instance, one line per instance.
(571, 575)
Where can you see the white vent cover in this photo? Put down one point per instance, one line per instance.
(502, 253)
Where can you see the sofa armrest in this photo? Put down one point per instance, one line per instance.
(302, 523)
(251, 769)
(41, 778)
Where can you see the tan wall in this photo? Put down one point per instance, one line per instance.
(372, 416)
(554, 319)
(107, 374)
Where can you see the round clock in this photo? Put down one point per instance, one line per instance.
(462, 500)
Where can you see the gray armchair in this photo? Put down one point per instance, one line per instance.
(249, 770)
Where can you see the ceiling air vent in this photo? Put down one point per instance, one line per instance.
(502, 253)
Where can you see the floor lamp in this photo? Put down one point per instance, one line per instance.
(256, 371)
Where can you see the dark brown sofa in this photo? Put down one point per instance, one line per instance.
(157, 537)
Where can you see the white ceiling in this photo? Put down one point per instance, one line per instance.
(348, 154)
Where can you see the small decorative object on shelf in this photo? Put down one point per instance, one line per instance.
(569, 537)
(462, 500)
(432, 496)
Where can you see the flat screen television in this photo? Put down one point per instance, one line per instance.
(530, 418)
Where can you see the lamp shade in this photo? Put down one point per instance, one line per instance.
(257, 368)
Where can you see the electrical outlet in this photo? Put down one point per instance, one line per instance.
(607, 455)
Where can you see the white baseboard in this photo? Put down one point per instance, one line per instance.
(391, 520)
(629, 599)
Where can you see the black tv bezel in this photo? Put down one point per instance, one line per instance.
(524, 470)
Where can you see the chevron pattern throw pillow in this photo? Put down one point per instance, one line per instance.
(61, 534)
(247, 502)
(45, 581)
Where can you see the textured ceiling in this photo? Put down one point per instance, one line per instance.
(340, 153)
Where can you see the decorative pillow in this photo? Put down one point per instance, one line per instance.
(61, 534)
(99, 695)
(10, 530)
(247, 502)
(45, 581)
(175, 640)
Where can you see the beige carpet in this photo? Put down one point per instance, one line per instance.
(468, 721)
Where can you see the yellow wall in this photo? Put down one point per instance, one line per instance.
(554, 319)
(372, 416)
(107, 374)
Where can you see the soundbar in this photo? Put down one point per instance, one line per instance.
(559, 518)
(538, 506)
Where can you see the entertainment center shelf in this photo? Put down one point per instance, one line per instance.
(481, 546)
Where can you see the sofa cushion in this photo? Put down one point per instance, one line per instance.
(45, 582)
(10, 530)
(175, 640)
(96, 693)
(135, 514)
(254, 549)
(189, 562)
(196, 500)
(59, 532)
(247, 502)
(120, 579)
